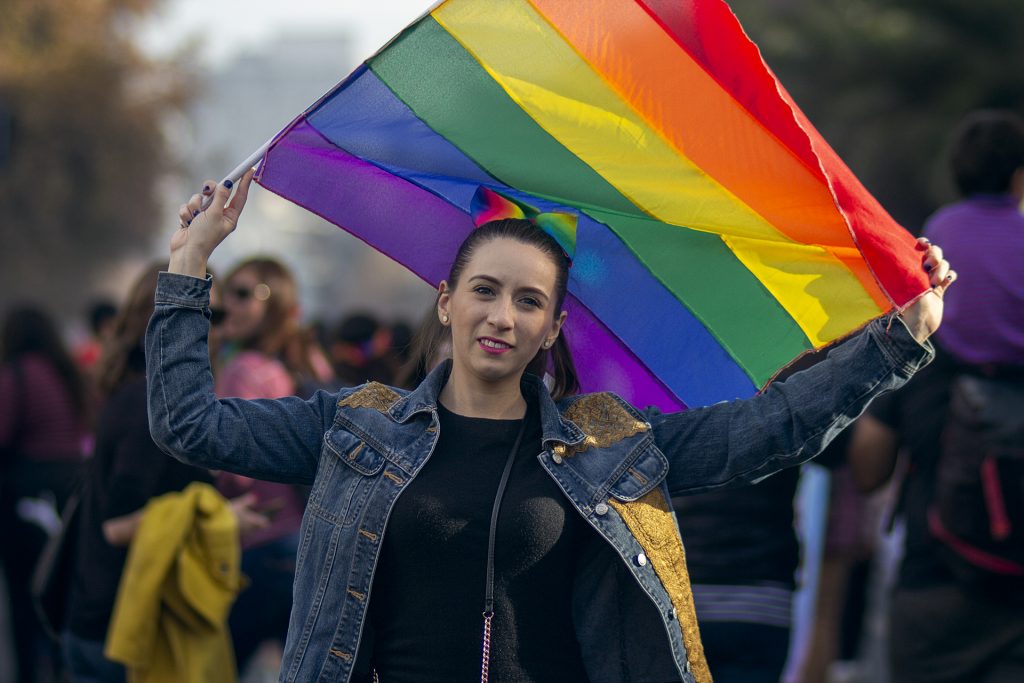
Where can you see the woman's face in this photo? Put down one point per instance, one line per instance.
(245, 305)
(502, 310)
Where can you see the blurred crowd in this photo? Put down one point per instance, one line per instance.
(937, 464)
(74, 433)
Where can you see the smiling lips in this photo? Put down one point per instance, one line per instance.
(493, 345)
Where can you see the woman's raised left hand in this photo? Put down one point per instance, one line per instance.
(924, 315)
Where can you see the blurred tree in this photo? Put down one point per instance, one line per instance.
(81, 145)
(886, 81)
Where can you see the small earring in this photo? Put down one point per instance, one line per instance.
(547, 343)
(444, 318)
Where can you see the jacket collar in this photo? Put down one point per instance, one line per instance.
(554, 428)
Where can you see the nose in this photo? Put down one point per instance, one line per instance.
(500, 313)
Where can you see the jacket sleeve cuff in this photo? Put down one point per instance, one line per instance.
(893, 337)
(183, 290)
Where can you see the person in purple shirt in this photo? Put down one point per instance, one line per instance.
(942, 630)
(984, 235)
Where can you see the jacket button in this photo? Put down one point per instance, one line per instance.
(557, 459)
(601, 509)
(641, 560)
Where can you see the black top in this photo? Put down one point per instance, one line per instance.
(126, 470)
(428, 592)
(745, 535)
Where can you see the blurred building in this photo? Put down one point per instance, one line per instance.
(241, 103)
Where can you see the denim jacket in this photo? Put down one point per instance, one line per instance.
(632, 607)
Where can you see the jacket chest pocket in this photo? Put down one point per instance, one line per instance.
(349, 470)
(642, 473)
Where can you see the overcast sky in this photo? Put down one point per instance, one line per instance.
(226, 26)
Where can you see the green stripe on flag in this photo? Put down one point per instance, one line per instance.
(732, 301)
(429, 70)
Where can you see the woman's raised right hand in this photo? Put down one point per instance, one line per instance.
(201, 229)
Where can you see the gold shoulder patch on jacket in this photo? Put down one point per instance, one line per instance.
(603, 420)
(374, 395)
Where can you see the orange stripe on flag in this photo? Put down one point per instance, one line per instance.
(680, 100)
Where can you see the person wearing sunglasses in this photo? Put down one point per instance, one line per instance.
(265, 353)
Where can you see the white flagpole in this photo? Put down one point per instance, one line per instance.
(236, 174)
(250, 162)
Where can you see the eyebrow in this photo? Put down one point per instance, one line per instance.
(496, 281)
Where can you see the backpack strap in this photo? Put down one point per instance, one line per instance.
(977, 556)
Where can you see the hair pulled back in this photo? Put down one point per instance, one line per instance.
(433, 336)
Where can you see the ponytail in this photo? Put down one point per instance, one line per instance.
(563, 369)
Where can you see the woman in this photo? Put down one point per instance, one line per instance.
(126, 471)
(578, 573)
(42, 431)
(265, 354)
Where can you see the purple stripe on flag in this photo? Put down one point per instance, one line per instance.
(422, 232)
(416, 228)
(607, 365)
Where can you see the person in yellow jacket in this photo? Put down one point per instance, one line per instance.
(182, 575)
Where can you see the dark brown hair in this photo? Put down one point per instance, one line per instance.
(31, 330)
(124, 355)
(988, 150)
(432, 335)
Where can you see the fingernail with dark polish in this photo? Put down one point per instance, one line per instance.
(228, 184)
(206, 188)
(195, 213)
(927, 267)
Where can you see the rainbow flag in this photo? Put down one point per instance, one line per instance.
(719, 237)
